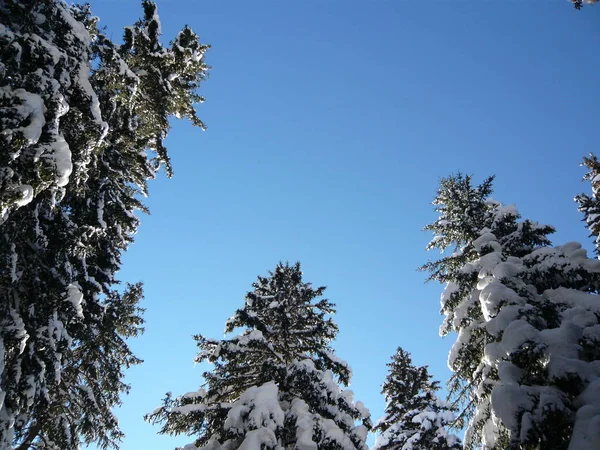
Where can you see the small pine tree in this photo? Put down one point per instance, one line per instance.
(415, 418)
(277, 384)
(524, 361)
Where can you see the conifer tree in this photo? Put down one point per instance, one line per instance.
(415, 418)
(276, 385)
(578, 4)
(527, 317)
(590, 205)
(44, 83)
(77, 137)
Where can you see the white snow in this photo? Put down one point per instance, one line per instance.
(75, 297)
(586, 433)
(77, 28)
(484, 240)
(60, 155)
(305, 423)
(156, 19)
(189, 408)
(31, 107)
(13, 263)
(26, 194)
(450, 289)
(100, 212)
(256, 415)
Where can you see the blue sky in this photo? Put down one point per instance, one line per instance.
(329, 125)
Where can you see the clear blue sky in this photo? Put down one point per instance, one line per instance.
(330, 124)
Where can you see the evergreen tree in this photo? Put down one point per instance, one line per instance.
(578, 4)
(77, 135)
(415, 418)
(525, 362)
(276, 385)
(590, 205)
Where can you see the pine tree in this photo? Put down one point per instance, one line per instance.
(276, 385)
(525, 365)
(78, 135)
(415, 418)
(590, 205)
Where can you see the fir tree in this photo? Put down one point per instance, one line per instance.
(415, 418)
(525, 365)
(590, 205)
(277, 384)
(77, 136)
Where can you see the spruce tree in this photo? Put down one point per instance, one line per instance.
(415, 418)
(590, 205)
(525, 363)
(44, 83)
(276, 385)
(78, 134)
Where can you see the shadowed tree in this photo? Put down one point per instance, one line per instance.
(82, 123)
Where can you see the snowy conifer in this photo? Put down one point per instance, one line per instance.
(415, 418)
(77, 137)
(44, 82)
(276, 385)
(590, 205)
(526, 368)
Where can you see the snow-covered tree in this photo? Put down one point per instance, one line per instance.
(526, 365)
(276, 385)
(44, 81)
(415, 418)
(77, 115)
(590, 205)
